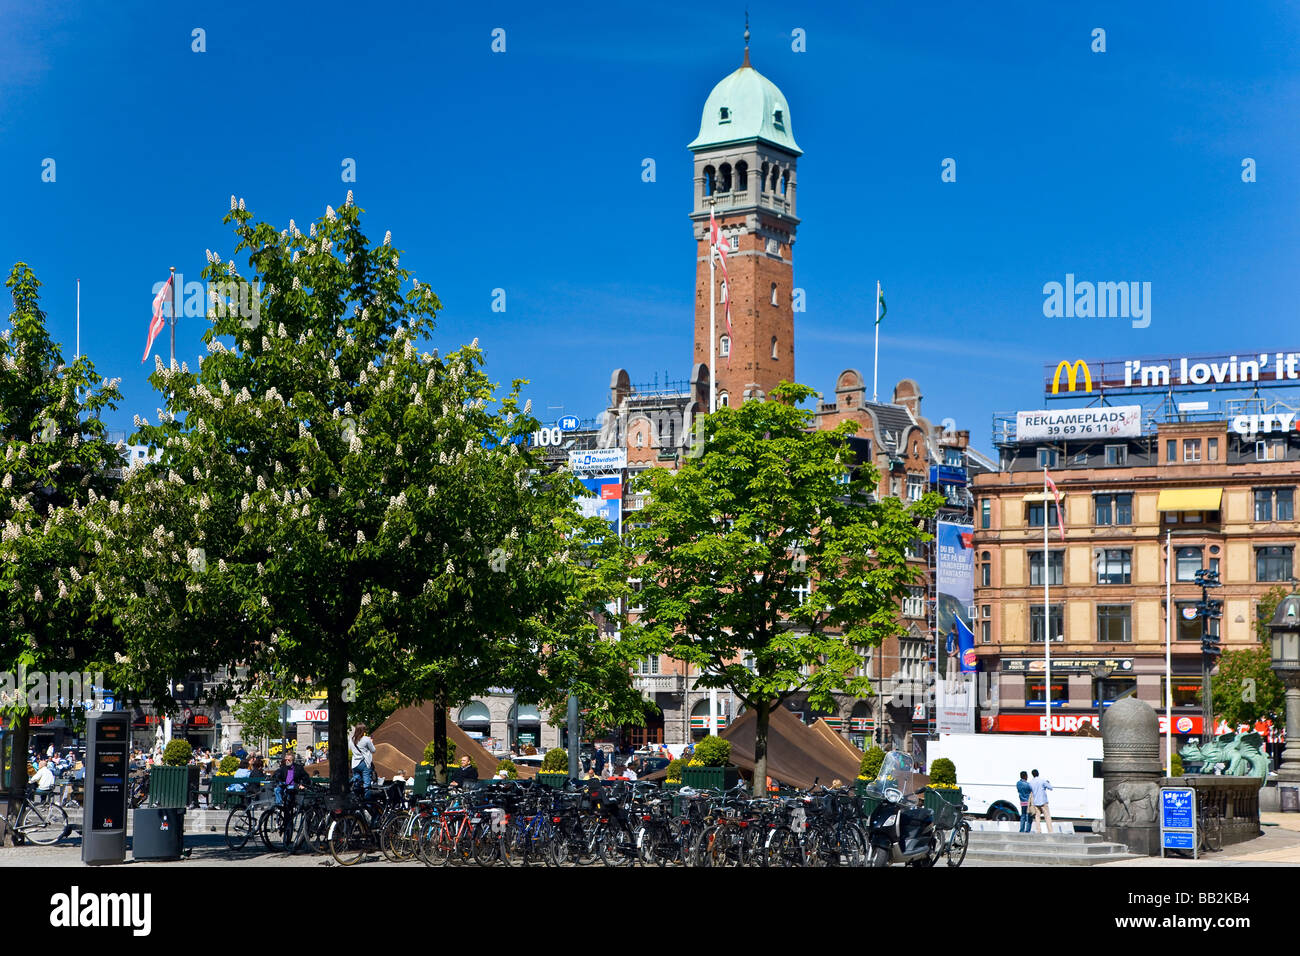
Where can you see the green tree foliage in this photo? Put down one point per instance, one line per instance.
(177, 753)
(556, 761)
(712, 752)
(943, 771)
(871, 761)
(768, 505)
(57, 461)
(1246, 689)
(259, 716)
(512, 771)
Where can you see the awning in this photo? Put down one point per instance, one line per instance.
(1039, 496)
(1189, 499)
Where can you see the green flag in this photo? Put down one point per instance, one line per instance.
(883, 310)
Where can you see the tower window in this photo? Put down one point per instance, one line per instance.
(722, 291)
(724, 115)
(724, 346)
(724, 178)
(723, 399)
(774, 346)
(774, 302)
(742, 176)
(709, 181)
(775, 176)
(733, 241)
(778, 119)
(785, 181)
(762, 178)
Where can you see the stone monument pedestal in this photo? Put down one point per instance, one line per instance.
(1132, 771)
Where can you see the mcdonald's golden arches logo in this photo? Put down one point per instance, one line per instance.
(1071, 375)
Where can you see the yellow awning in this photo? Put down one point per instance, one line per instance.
(1189, 499)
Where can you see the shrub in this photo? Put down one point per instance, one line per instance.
(675, 770)
(177, 753)
(943, 773)
(229, 764)
(556, 761)
(451, 753)
(1176, 766)
(711, 752)
(512, 772)
(871, 761)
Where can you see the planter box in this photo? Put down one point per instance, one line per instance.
(938, 801)
(423, 779)
(172, 787)
(869, 800)
(556, 781)
(710, 778)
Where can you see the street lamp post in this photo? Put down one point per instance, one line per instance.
(1099, 673)
(1285, 631)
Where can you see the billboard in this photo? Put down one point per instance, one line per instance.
(1120, 421)
(604, 500)
(954, 581)
(598, 459)
(1110, 376)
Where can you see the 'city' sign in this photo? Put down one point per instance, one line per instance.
(1120, 421)
(1263, 424)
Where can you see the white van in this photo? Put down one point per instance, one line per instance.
(988, 766)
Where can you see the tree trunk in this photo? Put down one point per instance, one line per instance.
(19, 736)
(440, 737)
(340, 766)
(762, 717)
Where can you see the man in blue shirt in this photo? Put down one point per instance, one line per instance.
(1025, 791)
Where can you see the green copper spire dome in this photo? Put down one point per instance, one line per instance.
(746, 105)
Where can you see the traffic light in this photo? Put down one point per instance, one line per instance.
(1208, 579)
(1210, 645)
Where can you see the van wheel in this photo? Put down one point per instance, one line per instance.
(1001, 813)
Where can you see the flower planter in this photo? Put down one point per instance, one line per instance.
(868, 798)
(172, 787)
(710, 778)
(938, 800)
(556, 781)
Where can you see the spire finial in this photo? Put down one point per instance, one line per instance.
(746, 63)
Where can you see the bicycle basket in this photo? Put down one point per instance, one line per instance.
(945, 817)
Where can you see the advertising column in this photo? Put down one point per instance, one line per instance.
(955, 590)
(103, 832)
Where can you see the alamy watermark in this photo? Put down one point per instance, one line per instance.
(1101, 300)
(227, 297)
(42, 689)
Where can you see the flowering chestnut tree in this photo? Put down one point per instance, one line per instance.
(57, 460)
(338, 505)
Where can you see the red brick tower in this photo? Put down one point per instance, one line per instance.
(745, 157)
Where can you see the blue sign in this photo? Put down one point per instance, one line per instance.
(568, 423)
(947, 475)
(1178, 808)
(1180, 840)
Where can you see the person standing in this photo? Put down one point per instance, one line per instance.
(363, 754)
(1026, 793)
(1040, 786)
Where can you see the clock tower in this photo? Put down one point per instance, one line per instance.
(745, 159)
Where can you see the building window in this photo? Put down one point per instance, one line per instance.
(733, 241)
(1113, 623)
(986, 514)
(1055, 566)
(1171, 450)
(1191, 449)
(1189, 562)
(1034, 514)
(724, 178)
(724, 115)
(915, 487)
(1113, 509)
(1273, 563)
(1187, 626)
(722, 291)
(953, 456)
(1117, 454)
(774, 302)
(724, 346)
(724, 399)
(1081, 458)
(774, 353)
(778, 119)
(914, 603)
(802, 589)
(986, 632)
(710, 181)
(1274, 451)
(1265, 499)
(1047, 457)
(1112, 689)
(634, 600)
(1212, 449)
(647, 665)
(742, 176)
(1187, 691)
(1036, 690)
(986, 570)
(1114, 566)
(1056, 623)
(773, 249)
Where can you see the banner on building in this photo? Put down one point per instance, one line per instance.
(954, 704)
(598, 460)
(1070, 424)
(954, 580)
(603, 500)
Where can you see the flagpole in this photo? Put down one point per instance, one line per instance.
(1169, 670)
(713, 342)
(1047, 610)
(173, 359)
(78, 355)
(875, 366)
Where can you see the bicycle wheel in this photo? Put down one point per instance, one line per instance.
(318, 829)
(349, 836)
(783, 848)
(815, 849)
(270, 827)
(960, 842)
(617, 848)
(487, 845)
(239, 827)
(42, 825)
(558, 850)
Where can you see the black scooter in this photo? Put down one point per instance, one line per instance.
(899, 833)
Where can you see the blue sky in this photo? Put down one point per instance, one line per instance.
(522, 171)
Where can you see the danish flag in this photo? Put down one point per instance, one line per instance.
(718, 245)
(156, 325)
(1060, 516)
